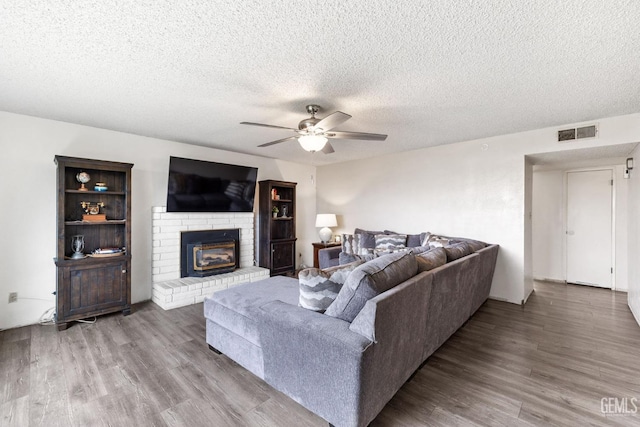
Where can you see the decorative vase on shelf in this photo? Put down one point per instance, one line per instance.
(77, 244)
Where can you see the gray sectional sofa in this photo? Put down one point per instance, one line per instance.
(345, 365)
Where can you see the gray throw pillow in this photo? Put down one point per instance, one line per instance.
(371, 279)
(431, 259)
(319, 288)
(413, 240)
(457, 251)
(368, 238)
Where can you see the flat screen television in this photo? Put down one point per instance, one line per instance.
(201, 186)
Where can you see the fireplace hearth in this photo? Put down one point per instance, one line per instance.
(208, 252)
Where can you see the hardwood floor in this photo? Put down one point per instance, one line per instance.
(548, 363)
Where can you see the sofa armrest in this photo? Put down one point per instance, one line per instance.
(329, 257)
(314, 359)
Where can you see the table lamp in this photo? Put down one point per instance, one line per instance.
(325, 221)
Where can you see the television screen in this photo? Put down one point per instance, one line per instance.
(200, 186)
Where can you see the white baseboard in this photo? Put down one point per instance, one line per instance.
(502, 299)
(546, 279)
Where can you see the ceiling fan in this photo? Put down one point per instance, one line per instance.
(313, 133)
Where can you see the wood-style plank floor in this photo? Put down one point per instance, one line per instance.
(548, 363)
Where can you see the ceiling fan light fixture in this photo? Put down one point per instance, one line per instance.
(312, 143)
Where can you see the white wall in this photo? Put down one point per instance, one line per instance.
(473, 188)
(634, 237)
(528, 229)
(28, 197)
(549, 216)
(548, 225)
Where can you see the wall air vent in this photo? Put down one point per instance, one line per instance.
(587, 132)
(566, 135)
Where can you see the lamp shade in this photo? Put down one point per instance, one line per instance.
(326, 220)
(312, 143)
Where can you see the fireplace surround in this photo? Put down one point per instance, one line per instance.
(169, 290)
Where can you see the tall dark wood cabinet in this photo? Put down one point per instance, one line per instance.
(93, 257)
(277, 230)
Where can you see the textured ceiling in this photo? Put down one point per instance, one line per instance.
(425, 73)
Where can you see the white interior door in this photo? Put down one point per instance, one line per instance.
(589, 228)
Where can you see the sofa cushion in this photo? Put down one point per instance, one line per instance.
(235, 308)
(457, 250)
(319, 288)
(418, 249)
(474, 245)
(431, 259)
(390, 242)
(371, 279)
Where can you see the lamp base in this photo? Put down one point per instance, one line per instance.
(325, 234)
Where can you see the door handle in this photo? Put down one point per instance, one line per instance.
(570, 232)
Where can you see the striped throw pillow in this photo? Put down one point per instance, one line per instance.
(390, 242)
(319, 288)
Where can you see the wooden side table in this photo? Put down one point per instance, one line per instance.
(317, 247)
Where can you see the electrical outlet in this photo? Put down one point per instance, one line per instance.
(13, 297)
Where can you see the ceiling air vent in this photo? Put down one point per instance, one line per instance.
(577, 133)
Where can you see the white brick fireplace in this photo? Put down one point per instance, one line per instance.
(169, 290)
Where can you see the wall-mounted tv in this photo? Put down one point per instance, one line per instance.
(201, 186)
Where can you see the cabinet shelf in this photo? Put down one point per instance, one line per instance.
(68, 261)
(92, 192)
(283, 218)
(282, 200)
(107, 222)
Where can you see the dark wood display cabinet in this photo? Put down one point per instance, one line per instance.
(277, 230)
(93, 257)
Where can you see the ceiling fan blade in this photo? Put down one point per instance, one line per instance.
(356, 135)
(267, 126)
(332, 120)
(328, 148)
(277, 141)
